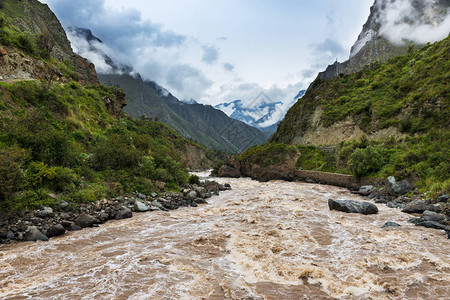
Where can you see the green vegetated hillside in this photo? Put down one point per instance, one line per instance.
(388, 119)
(68, 140)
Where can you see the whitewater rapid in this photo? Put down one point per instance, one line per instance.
(274, 240)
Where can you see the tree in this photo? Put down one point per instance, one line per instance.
(12, 178)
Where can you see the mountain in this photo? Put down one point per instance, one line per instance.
(393, 26)
(261, 113)
(46, 39)
(64, 137)
(389, 118)
(202, 123)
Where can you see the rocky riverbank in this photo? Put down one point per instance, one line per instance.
(48, 222)
(431, 213)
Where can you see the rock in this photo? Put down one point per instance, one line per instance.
(212, 186)
(63, 204)
(56, 230)
(227, 171)
(390, 224)
(3, 52)
(74, 227)
(443, 198)
(157, 204)
(44, 212)
(33, 234)
(67, 224)
(123, 214)
(383, 199)
(3, 233)
(200, 201)
(140, 207)
(395, 188)
(10, 235)
(191, 195)
(64, 216)
(352, 206)
(85, 220)
(432, 216)
(141, 196)
(432, 224)
(153, 194)
(365, 190)
(416, 206)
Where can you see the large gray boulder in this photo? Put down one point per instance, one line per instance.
(396, 188)
(432, 216)
(416, 206)
(123, 214)
(56, 230)
(353, 206)
(365, 190)
(85, 220)
(34, 234)
(140, 207)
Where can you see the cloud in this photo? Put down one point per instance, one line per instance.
(228, 67)
(210, 54)
(188, 80)
(417, 21)
(329, 48)
(124, 29)
(221, 38)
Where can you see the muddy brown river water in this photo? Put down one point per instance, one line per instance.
(274, 240)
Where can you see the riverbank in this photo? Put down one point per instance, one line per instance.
(49, 222)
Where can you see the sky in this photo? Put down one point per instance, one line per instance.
(222, 50)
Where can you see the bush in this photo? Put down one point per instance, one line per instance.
(364, 161)
(39, 174)
(194, 179)
(116, 152)
(33, 199)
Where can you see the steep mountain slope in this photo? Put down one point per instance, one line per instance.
(69, 141)
(261, 113)
(202, 123)
(391, 118)
(381, 36)
(46, 52)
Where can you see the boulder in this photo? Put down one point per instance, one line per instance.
(352, 206)
(443, 198)
(33, 234)
(141, 196)
(390, 224)
(44, 212)
(431, 224)
(85, 220)
(395, 188)
(212, 186)
(416, 206)
(227, 171)
(365, 190)
(432, 216)
(10, 235)
(123, 214)
(140, 207)
(3, 52)
(191, 195)
(56, 230)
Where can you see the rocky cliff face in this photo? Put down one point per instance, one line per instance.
(392, 26)
(39, 29)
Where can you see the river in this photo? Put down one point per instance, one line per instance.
(274, 240)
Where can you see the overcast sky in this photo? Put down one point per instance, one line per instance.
(217, 51)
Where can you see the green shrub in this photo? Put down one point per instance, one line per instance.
(194, 179)
(32, 199)
(365, 161)
(39, 174)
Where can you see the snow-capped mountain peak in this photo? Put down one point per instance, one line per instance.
(262, 112)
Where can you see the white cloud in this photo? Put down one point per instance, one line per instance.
(414, 21)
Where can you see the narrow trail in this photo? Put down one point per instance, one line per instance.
(274, 240)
